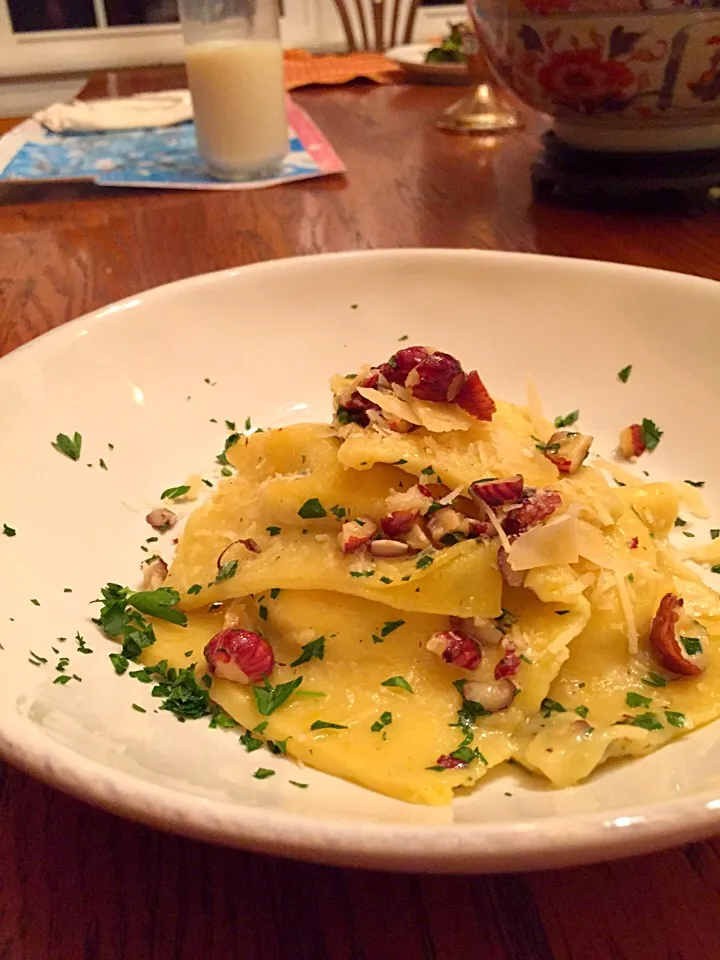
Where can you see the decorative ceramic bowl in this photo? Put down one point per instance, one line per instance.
(627, 75)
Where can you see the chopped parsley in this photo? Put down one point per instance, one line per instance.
(714, 534)
(428, 471)
(397, 682)
(174, 493)
(549, 706)
(715, 568)
(159, 603)
(230, 424)
(546, 447)
(651, 432)
(383, 721)
(648, 721)
(195, 588)
(674, 718)
(636, 700)
(273, 531)
(36, 660)
(102, 464)
(268, 698)
(324, 725)
(385, 580)
(8, 531)
(70, 448)
(679, 522)
(582, 711)
(624, 374)
(35, 601)
(275, 593)
(424, 562)
(568, 420)
(63, 679)
(226, 472)
(120, 663)
(312, 510)
(362, 573)
(295, 783)
(82, 646)
(403, 337)
(696, 483)
(338, 511)
(654, 680)
(313, 650)
(226, 571)
(207, 482)
(263, 611)
(561, 613)
(692, 646)
(250, 742)
(399, 463)
(278, 746)
(389, 626)
(262, 773)
(136, 706)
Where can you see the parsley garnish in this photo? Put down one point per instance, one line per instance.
(316, 649)
(324, 725)
(624, 374)
(389, 626)
(71, 448)
(338, 511)
(715, 568)
(195, 588)
(383, 721)
(582, 711)
(403, 337)
(675, 719)
(82, 646)
(651, 433)
(397, 682)
(226, 571)
(312, 510)
(262, 773)
(679, 522)
(250, 742)
(636, 700)
(230, 424)
(303, 786)
(273, 531)
(35, 602)
(269, 698)
(654, 680)
(8, 531)
(696, 483)
(174, 493)
(546, 447)
(428, 471)
(36, 660)
(362, 573)
(136, 706)
(568, 420)
(548, 706)
(274, 593)
(120, 663)
(692, 646)
(714, 534)
(278, 746)
(424, 562)
(648, 721)
(385, 580)
(159, 603)
(62, 679)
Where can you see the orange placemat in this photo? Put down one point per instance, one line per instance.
(303, 69)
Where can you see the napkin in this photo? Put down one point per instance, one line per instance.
(143, 110)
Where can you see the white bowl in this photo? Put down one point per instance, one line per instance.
(267, 337)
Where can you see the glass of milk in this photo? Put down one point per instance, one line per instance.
(235, 74)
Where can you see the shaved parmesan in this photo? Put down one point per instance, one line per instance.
(391, 404)
(626, 604)
(702, 553)
(498, 528)
(619, 473)
(691, 498)
(551, 544)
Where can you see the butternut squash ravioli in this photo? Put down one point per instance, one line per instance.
(437, 582)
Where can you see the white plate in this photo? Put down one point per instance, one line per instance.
(411, 57)
(267, 337)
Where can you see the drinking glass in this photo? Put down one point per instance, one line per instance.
(235, 74)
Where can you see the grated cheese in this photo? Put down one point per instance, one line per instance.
(498, 528)
(691, 498)
(626, 604)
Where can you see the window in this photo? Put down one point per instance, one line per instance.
(52, 36)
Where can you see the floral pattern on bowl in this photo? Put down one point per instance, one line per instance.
(659, 67)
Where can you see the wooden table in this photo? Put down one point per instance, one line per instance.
(77, 884)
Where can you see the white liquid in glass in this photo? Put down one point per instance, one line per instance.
(239, 102)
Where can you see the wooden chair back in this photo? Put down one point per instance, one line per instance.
(377, 24)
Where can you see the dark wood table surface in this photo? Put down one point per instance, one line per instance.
(78, 884)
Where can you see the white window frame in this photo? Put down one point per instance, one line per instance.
(311, 24)
(66, 51)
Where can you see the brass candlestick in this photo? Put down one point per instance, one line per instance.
(486, 109)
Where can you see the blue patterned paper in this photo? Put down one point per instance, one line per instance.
(157, 156)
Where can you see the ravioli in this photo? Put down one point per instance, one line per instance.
(447, 583)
